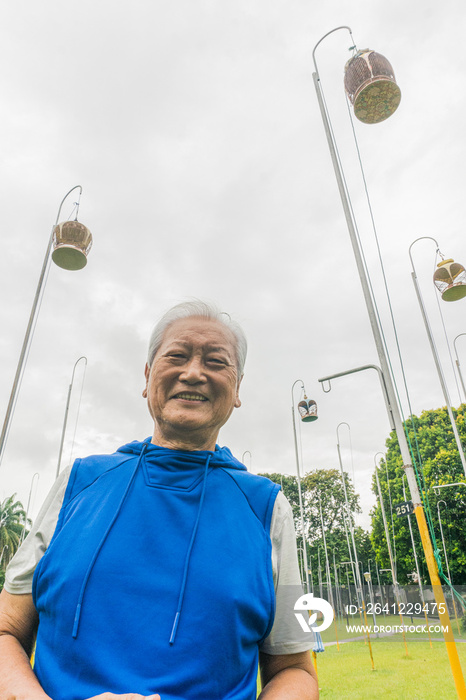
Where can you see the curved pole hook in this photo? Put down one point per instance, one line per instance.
(421, 238)
(342, 423)
(326, 391)
(324, 37)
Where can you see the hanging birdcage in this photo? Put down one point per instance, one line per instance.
(450, 280)
(307, 410)
(371, 87)
(72, 242)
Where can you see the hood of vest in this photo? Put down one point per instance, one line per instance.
(169, 469)
(174, 467)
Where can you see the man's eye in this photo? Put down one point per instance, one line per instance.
(216, 361)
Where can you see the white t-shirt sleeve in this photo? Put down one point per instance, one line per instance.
(20, 571)
(287, 635)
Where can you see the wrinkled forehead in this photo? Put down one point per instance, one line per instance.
(207, 332)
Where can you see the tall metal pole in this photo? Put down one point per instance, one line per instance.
(299, 487)
(357, 578)
(381, 592)
(27, 508)
(327, 566)
(391, 516)
(341, 466)
(443, 538)
(375, 464)
(377, 571)
(300, 549)
(247, 452)
(347, 579)
(321, 590)
(349, 546)
(351, 451)
(414, 547)
(367, 576)
(387, 537)
(446, 560)
(419, 582)
(407, 465)
(378, 579)
(458, 364)
(392, 566)
(30, 326)
(66, 414)
(355, 565)
(337, 585)
(438, 366)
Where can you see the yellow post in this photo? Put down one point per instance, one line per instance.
(336, 631)
(403, 629)
(427, 625)
(314, 657)
(368, 635)
(441, 604)
(362, 622)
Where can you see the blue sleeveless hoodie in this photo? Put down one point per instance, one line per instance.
(158, 578)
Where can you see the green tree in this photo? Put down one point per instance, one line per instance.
(289, 486)
(323, 488)
(12, 524)
(436, 455)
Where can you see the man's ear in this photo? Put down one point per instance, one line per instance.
(146, 374)
(238, 400)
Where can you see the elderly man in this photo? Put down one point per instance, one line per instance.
(157, 572)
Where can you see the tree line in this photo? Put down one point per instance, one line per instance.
(437, 462)
(13, 529)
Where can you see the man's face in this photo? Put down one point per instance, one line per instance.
(192, 385)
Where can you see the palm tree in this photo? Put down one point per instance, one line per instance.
(12, 524)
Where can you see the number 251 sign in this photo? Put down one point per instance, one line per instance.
(405, 508)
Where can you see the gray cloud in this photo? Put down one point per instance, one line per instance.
(195, 132)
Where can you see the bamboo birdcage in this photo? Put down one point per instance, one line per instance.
(307, 410)
(450, 280)
(371, 87)
(72, 242)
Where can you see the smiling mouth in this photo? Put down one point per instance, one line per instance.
(190, 397)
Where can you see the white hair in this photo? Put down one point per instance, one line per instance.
(208, 310)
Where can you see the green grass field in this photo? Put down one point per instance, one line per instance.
(422, 675)
(330, 635)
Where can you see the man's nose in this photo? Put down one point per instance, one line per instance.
(193, 371)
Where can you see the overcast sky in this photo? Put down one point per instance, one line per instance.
(194, 130)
